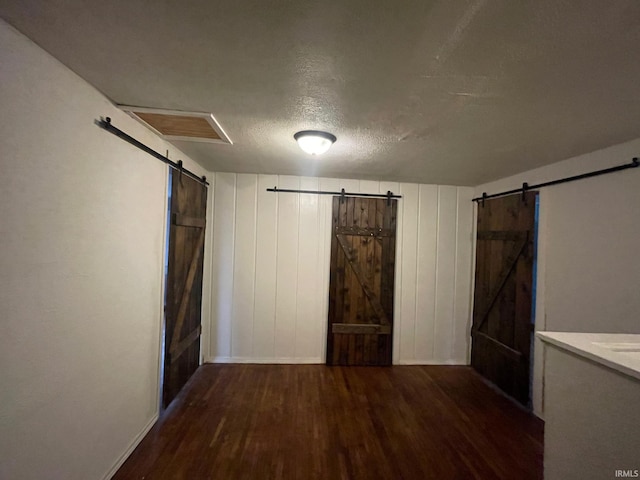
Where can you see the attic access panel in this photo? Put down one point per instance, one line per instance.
(179, 125)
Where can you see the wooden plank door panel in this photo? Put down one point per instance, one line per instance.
(361, 281)
(183, 300)
(502, 328)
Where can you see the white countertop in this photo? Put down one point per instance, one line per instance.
(619, 351)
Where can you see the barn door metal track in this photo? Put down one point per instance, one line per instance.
(106, 124)
(525, 186)
(389, 195)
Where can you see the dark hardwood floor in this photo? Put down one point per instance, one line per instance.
(317, 422)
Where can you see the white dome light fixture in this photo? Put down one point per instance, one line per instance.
(314, 142)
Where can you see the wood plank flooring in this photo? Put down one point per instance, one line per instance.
(317, 422)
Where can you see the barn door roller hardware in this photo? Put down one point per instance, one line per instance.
(526, 187)
(389, 195)
(106, 124)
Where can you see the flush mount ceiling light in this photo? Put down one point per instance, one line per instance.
(314, 142)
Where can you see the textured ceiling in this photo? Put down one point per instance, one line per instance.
(449, 91)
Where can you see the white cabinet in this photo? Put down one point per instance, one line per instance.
(591, 406)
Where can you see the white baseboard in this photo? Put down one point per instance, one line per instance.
(431, 362)
(132, 446)
(266, 360)
(317, 360)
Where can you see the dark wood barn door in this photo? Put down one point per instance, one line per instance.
(361, 281)
(502, 323)
(184, 283)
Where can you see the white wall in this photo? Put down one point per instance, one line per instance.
(271, 258)
(588, 267)
(81, 256)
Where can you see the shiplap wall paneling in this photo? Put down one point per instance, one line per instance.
(271, 269)
(266, 266)
(368, 186)
(435, 271)
(427, 264)
(244, 265)
(222, 271)
(445, 273)
(308, 314)
(207, 290)
(406, 327)
(465, 268)
(287, 268)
